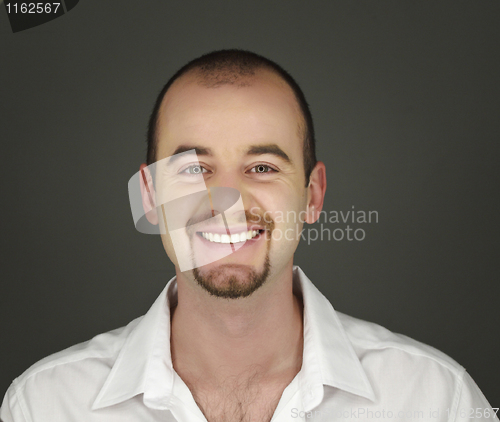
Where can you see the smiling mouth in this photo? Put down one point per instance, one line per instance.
(234, 238)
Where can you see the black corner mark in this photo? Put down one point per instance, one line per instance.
(25, 14)
(69, 5)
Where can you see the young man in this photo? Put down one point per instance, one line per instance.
(245, 336)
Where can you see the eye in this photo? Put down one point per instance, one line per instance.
(194, 169)
(262, 169)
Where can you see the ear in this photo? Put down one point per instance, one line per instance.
(316, 192)
(148, 194)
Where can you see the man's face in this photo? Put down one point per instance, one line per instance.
(247, 138)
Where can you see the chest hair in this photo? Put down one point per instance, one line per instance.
(247, 399)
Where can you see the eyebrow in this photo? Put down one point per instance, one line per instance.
(269, 149)
(183, 148)
(272, 149)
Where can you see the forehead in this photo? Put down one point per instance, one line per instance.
(258, 109)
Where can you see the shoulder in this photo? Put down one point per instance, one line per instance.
(405, 372)
(400, 367)
(400, 360)
(93, 356)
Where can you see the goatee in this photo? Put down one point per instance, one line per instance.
(232, 281)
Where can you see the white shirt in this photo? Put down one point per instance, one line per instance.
(352, 370)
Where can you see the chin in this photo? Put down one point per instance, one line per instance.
(231, 280)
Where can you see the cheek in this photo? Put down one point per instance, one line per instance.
(167, 244)
(286, 207)
(292, 219)
(289, 201)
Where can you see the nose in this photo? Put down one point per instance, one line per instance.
(224, 179)
(231, 178)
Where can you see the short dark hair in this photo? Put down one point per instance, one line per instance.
(229, 67)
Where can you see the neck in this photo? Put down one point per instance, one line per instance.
(216, 338)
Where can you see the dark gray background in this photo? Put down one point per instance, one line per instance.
(405, 97)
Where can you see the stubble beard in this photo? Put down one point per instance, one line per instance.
(233, 281)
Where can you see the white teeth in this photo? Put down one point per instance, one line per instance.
(234, 238)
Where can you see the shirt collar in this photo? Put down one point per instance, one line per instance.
(328, 357)
(144, 364)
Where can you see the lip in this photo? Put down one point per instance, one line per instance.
(238, 245)
(232, 229)
(206, 252)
